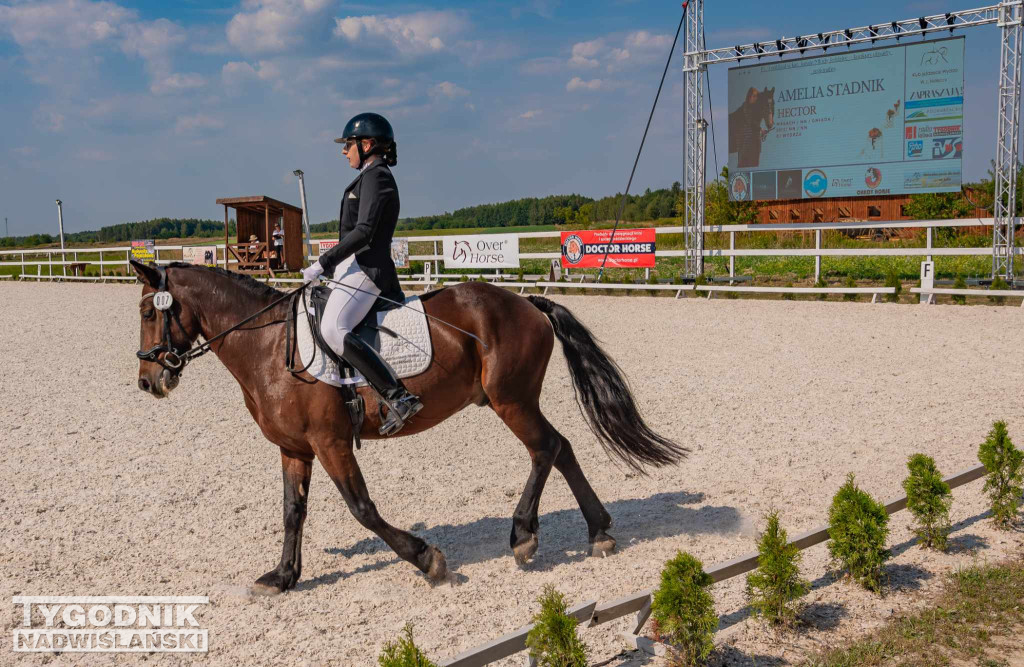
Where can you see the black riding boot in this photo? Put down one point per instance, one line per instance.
(401, 404)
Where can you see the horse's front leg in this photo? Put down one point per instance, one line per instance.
(296, 474)
(339, 461)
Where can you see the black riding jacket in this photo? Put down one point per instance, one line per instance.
(368, 216)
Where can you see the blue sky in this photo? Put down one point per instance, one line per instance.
(133, 110)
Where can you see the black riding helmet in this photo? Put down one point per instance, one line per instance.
(371, 126)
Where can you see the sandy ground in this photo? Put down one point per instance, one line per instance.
(105, 490)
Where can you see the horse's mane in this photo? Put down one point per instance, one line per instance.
(254, 286)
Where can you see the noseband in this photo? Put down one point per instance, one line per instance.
(173, 360)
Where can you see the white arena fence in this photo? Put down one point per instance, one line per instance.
(593, 613)
(53, 264)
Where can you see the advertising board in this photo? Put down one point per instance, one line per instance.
(481, 251)
(630, 248)
(205, 255)
(144, 250)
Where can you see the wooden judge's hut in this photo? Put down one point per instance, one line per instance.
(255, 251)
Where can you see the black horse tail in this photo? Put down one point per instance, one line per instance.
(603, 395)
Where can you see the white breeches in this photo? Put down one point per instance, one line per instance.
(347, 307)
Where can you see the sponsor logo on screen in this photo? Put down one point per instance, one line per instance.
(949, 147)
(740, 187)
(920, 180)
(873, 177)
(790, 183)
(915, 148)
(815, 183)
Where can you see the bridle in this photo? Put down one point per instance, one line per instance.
(174, 360)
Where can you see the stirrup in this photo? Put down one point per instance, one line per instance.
(399, 412)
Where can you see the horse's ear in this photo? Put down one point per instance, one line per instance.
(147, 274)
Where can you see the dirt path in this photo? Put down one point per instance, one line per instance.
(108, 491)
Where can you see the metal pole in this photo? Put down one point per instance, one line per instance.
(305, 216)
(694, 133)
(60, 223)
(1006, 163)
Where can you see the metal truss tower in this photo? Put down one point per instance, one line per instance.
(1006, 14)
(1007, 135)
(694, 137)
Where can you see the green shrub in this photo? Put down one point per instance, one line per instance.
(776, 583)
(892, 279)
(788, 296)
(700, 280)
(651, 280)
(519, 276)
(997, 284)
(928, 499)
(1004, 464)
(959, 283)
(684, 609)
(850, 282)
(821, 283)
(403, 653)
(553, 641)
(858, 526)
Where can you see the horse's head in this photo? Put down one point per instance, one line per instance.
(168, 328)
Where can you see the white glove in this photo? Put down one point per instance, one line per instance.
(313, 272)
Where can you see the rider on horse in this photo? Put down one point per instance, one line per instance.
(361, 263)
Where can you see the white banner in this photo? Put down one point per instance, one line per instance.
(326, 245)
(205, 255)
(481, 251)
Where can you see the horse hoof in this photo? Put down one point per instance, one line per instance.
(261, 590)
(524, 551)
(272, 583)
(602, 546)
(438, 570)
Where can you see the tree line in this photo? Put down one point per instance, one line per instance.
(158, 228)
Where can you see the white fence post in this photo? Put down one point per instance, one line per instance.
(817, 258)
(928, 243)
(22, 262)
(101, 266)
(732, 258)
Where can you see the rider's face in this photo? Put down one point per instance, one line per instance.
(352, 153)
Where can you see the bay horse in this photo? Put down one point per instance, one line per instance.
(745, 131)
(306, 419)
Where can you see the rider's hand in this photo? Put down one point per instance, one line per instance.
(313, 272)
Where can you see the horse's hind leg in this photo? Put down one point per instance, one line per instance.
(296, 473)
(598, 519)
(543, 443)
(340, 463)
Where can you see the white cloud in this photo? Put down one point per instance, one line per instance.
(25, 151)
(273, 25)
(583, 53)
(197, 123)
(65, 23)
(176, 83)
(641, 39)
(236, 73)
(153, 40)
(411, 34)
(577, 83)
(532, 113)
(448, 89)
(545, 65)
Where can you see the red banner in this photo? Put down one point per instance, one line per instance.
(630, 249)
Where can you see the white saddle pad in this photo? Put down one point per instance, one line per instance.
(408, 354)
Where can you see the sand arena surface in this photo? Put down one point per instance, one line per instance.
(106, 490)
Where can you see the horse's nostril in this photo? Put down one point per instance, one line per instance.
(143, 384)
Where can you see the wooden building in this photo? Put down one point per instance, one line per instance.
(254, 249)
(840, 209)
